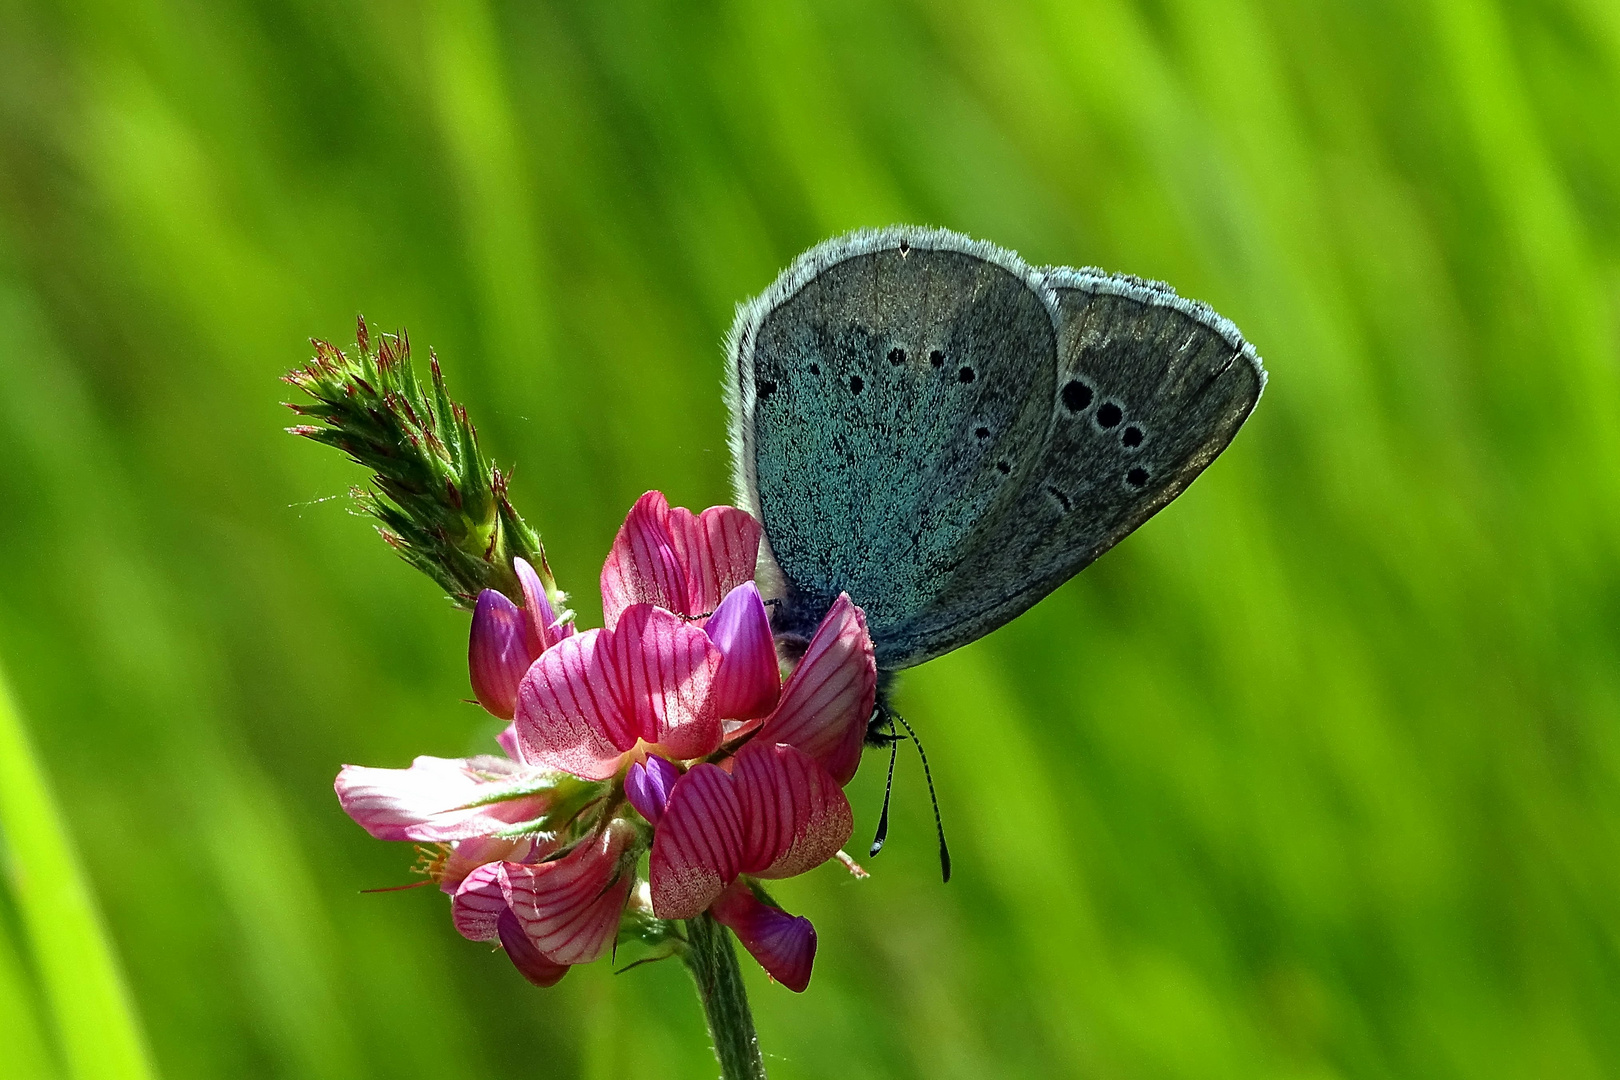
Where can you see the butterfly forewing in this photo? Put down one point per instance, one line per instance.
(926, 423)
(898, 398)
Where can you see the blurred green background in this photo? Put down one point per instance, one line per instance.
(1316, 776)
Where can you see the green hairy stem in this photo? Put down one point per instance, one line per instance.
(710, 958)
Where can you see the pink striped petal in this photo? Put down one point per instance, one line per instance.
(529, 961)
(784, 945)
(421, 802)
(499, 650)
(697, 848)
(478, 903)
(540, 621)
(569, 908)
(661, 669)
(717, 550)
(567, 716)
(795, 816)
(749, 681)
(828, 698)
(643, 566)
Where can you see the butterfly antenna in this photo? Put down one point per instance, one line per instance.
(939, 825)
(882, 835)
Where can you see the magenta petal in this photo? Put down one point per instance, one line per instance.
(648, 785)
(509, 742)
(795, 816)
(643, 567)
(421, 802)
(661, 669)
(566, 713)
(697, 848)
(570, 907)
(478, 903)
(717, 550)
(529, 961)
(537, 614)
(749, 681)
(828, 698)
(498, 652)
(784, 945)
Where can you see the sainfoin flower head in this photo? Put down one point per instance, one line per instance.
(670, 729)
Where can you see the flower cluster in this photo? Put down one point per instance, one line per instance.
(669, 732)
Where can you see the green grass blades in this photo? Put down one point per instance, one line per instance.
(82, 1004)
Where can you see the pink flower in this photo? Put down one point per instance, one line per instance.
(681, 696)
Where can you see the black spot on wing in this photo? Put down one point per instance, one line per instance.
(1076, 395)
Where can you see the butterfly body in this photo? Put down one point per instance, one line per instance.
(947, 434)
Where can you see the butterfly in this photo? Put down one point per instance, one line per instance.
(947, 434)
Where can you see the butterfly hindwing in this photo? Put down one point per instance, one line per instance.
(1150, 388)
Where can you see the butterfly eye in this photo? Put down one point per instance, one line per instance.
(856, 384)
(1132, 436)
(897, 356)
(1109, 414)
(936, 358)
(1137, 477)
(966, 375)
(981, 433)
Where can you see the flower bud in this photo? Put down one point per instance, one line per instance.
(499, 651)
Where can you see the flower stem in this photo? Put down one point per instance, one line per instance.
(712, 961)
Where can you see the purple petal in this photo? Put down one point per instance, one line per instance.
(541, 622)
(498, 652)
(648, 785)
(749, 681)
(697, 848)
(784, 945)
(529, 961)
(421, 802)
